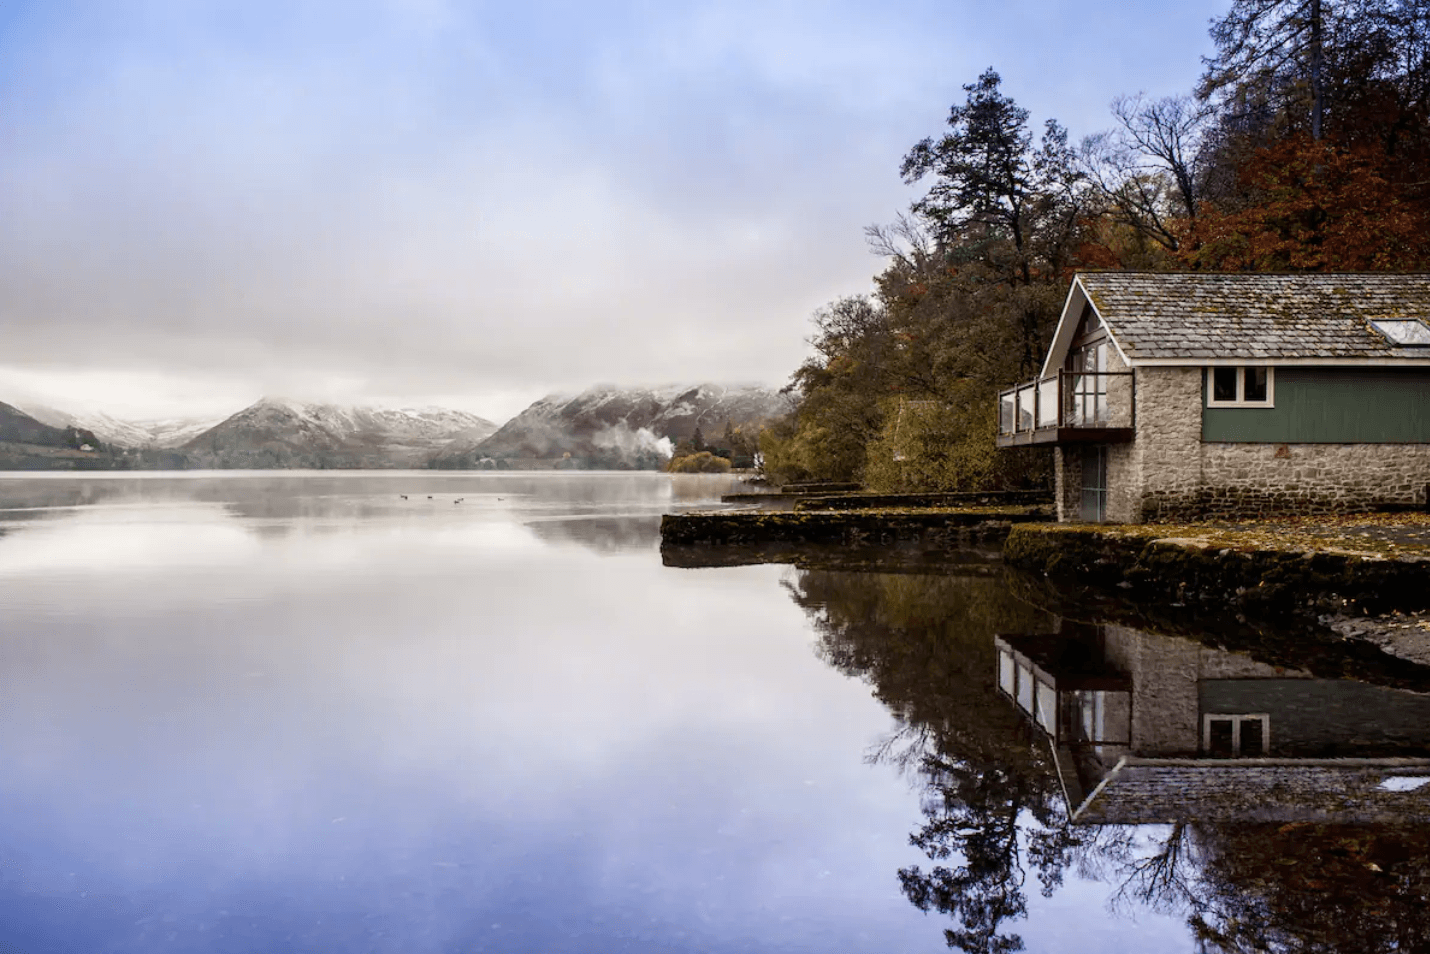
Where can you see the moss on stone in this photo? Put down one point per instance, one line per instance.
(1332, 563)
(936, 527)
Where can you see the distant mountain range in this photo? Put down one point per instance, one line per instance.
(617, 427)
(280, 433)
(169, 432)
(601, 427)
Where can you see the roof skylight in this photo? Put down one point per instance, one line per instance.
(1412, 332)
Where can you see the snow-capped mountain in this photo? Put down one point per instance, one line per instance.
(612, 426)
(276, 432)
(169, 432)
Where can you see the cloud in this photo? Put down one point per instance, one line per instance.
(465, 197)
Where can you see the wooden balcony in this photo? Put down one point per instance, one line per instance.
(1089, 407)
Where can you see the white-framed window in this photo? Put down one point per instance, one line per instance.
(1236, 736)
(1241, 386)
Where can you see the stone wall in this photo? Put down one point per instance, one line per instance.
(1124, 480)
(1164, 676)
(1169, 440)
(1249, 479)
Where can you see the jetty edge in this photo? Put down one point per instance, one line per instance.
(932, 527)
(1357, 564)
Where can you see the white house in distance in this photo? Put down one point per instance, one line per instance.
(1190, 395)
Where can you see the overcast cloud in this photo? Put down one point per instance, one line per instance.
(478, 203)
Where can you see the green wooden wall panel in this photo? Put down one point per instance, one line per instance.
(1331, 406)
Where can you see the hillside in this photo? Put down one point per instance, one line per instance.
(29, 444)
(616, 427)
(286, 434)
(165, 433)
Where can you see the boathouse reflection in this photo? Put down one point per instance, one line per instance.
(1150, 728)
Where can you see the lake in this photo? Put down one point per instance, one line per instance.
(444, 712)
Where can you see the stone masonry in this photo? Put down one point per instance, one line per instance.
(1310, 478)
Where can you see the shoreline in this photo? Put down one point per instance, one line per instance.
(1358, 577)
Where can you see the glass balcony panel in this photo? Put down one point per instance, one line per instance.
(1076, 401)
(1025, 407)
(1048, 402)
(1094, 399)
(1047, 711)
(1117, 389)
(1102, 399)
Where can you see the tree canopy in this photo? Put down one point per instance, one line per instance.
(1305, 147)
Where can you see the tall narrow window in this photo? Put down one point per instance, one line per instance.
(1241, 386)
(1089, 386)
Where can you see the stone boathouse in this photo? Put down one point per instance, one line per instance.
(1183, 396)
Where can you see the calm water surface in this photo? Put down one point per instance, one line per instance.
(279, 712)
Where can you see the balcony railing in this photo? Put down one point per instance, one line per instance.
(1068, 406)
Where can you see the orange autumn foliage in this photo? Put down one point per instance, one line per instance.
(1314, 206)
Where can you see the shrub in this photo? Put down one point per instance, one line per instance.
(702, 463)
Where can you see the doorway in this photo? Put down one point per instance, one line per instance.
(1094, 484)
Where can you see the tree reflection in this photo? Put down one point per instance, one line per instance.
(993, 815)
(1314, 888)
(925, 646)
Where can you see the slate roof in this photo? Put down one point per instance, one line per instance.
(1161, 791)
(1256, 316)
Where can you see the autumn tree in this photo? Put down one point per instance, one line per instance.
(841, 387)
(1317, 207)
(1318, 156)
(901, 387)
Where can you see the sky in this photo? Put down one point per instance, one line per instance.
(475, 203)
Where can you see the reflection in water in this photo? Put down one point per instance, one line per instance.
(602, 534)
(298, 492)
(604, 511)
(925, 646)
(419, 727)
(1272, 809)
